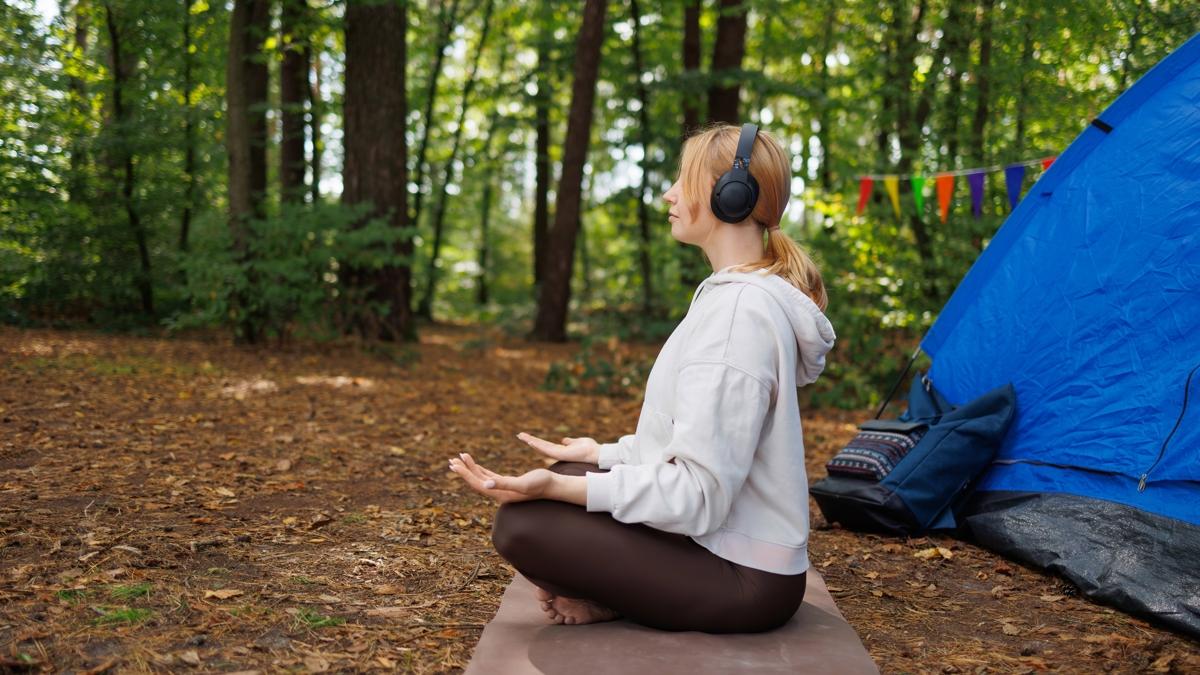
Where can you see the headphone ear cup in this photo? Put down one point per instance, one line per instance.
(734, 196)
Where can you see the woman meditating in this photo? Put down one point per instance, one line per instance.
(699, 520)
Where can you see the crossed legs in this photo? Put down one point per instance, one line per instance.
(655, 578)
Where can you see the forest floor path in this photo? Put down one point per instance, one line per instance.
(167, 503)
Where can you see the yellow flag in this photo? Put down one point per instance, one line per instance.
(892, 185)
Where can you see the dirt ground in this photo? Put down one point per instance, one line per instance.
(186, 504)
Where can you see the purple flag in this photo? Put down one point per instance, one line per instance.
(975, 180)
(1013, 175)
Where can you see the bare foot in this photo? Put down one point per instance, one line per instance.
(577, 611)
(545, 598)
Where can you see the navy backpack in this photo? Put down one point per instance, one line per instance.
(910, 475)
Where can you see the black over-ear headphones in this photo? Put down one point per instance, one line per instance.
(736, 191)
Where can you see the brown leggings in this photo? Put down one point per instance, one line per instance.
(651, 577)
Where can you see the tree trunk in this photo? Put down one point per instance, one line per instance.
(644, 139)
(1023, 86)
(727, 55)
(823, 107)
(293, 85)
(122, 71)
(909, 116)
(982, 81)
(488, 162)
(76, 189)
(555, 294)
(958, 44)
(541, 206)
(691, 65)
(189, 140)
(245, 140)
(376, 153)
(447, 19)
(314, 121)
(425, 307)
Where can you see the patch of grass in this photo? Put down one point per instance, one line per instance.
(128, 615)
(72, 595)
(130, 592)
(354, 518)
(217, 572)
(482, 343)
(313, 619)
(303, 581)
(605, 367)
(249, 611)
(402, 356)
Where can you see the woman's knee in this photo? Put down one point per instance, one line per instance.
(515, 529)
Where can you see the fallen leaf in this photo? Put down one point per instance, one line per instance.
(1163, 663)
(1052, 598)
(388, 612)
(934, 552)
(190, 657)
(283, 465)
(225, 492)
(316, 664)
(223, 594)
(1010, 629)
(389, 589)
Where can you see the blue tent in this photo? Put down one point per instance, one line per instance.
(1088, 301)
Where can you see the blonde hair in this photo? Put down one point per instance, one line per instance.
(709, 153)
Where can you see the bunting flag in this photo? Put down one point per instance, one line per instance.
(975, 181)
(892, 185)
(1013, 175)
(864, 193)
(945, 190)
(918, 187)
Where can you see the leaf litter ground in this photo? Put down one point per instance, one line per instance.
(184, 503)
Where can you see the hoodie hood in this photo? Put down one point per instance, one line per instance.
(812, 330)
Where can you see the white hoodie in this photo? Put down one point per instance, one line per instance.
(718, 453)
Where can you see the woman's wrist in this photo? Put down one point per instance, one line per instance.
(570, 489)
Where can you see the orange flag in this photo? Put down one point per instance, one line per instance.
(1047, 162)
(945, 190)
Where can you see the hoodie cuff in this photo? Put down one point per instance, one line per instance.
(601, 489)
(608, 455)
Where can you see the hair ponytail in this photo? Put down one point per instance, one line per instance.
(788, 260)
(707, 154)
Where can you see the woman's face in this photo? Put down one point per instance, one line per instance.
(683, 227)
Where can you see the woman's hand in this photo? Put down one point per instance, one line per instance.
(571, 449)
(535, 484)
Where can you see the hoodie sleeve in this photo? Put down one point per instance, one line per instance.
(623, 451)
(721, 410)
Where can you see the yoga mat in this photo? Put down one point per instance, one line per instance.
(521, 640)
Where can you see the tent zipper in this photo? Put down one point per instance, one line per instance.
(1187, 385)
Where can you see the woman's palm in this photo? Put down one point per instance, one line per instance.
(570, 450)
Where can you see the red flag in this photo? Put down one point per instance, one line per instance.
(864, 193)
(1047, 162)
(945, 190)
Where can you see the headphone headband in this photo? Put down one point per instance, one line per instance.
(745, 146)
